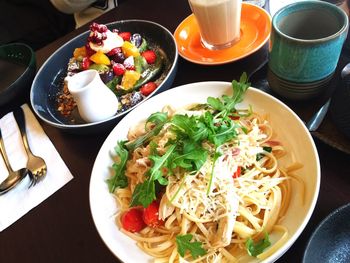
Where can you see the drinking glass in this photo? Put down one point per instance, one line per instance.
(260, 3)
(218, 21)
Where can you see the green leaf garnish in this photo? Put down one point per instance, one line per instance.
(239, 88)
(255, 249)
(227, 104)
(224, 132)
(157, 118)
(186, 145)
(184, 243)
(222, 128)
(189, 127)
(158, 163)
(119, 179)
(216, 156)
(216, 103)
(145, 193)
(191, 160)
(259, 156)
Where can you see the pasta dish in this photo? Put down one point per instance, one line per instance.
(203, 183)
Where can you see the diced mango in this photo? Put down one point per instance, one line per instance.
(100, 58)
(130, 78)
(79, 52)
(130, 50)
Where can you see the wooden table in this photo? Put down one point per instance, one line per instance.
(61, 228)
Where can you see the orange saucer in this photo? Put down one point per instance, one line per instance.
(255, 31)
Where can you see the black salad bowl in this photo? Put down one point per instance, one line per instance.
(330, 240)
(47, 83)
(17, 71)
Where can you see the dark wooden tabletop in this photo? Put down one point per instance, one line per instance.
(61, 228)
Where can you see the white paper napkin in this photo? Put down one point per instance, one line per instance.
(21, 199)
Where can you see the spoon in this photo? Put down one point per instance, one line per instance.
(14, 177)
(317, 118)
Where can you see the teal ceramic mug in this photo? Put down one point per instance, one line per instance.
(306, 41)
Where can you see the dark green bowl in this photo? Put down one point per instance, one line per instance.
(17, 71)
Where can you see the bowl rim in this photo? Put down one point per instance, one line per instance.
(30, 64)
(306, 219)
(321, 225)
(122, 114)
(307, 5)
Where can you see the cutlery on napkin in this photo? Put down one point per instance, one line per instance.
(21, 199)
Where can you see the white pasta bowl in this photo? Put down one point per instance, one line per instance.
(290, 131)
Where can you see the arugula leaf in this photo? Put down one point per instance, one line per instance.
(189, 127)
(184, 243)
(215, 103)
(153, 148)
(158, 163)
(198, 154)
(145, 192)
(216, 156)
(191, 158)
(159, 118)
(119, 179)
(188, 155)
(259, 156)
(239, 88)
(224, 132)
(208, 119)
(255, 249)
(220, 127)
(227, 103)
(185, 149)
(199, 107)
(219, 130)
(144, 138)
(183, 124)
(267, 149)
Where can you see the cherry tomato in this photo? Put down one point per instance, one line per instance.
(132, 220)
(148, 88)
(237, 173)
(151, 215)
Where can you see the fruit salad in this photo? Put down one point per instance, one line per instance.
(126, 62)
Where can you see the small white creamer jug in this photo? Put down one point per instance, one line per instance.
(95, 101)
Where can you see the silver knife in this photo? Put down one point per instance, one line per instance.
(317, 118)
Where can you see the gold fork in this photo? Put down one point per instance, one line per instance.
(36, 165)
